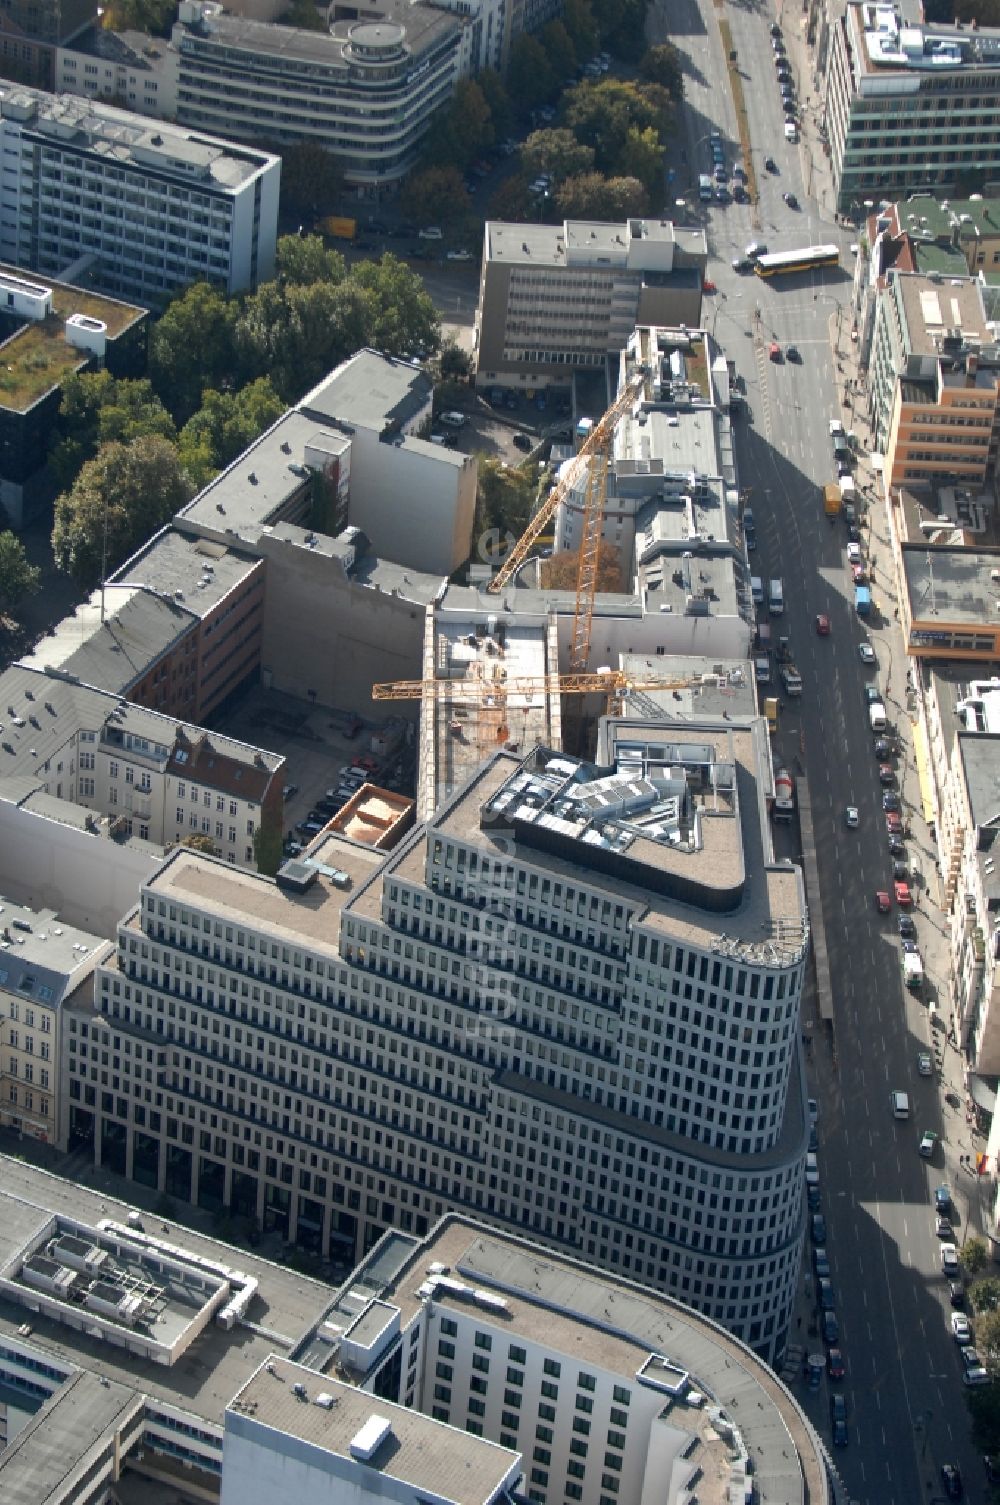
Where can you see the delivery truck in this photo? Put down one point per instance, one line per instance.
(831, 499)
(339, 226)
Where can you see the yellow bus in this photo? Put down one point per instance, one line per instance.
(810, 259)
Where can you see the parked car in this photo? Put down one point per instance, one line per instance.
(951, 1479)
(830, 1329)
(522, 442)
(835, 1364)
(838, 1420)
(429, 232)
(883, 904)
(949, 1260)
(942, 1200)
(818, 1228)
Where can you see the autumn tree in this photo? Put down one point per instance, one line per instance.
(581, 26)
(117, 501)
(559, 50)
(561, 572)
(602, 116)
(591, 196)
(496, 96)
(463, 130)
(510, 199)
(435, 196)
(155, 17)
(200, 841)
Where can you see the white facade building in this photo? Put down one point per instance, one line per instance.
(154, 208)
(600, 974)
(130, 69)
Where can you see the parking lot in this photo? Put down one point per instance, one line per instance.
(317, 743)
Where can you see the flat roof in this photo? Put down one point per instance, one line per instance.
(39, 952)
(370, 390)
(44, 1455)
(248, 899)
(247, 495)
(131, 139)
(933, 307)
(419, 27)
(204, 1379)
(951, 585)
(374, 817)
(112, 645)
(445, 1462)
(894, 42)
(571, 1308)
(942, 217)
(196, 573)
(35, 355)
(706, 687)
(980, 753)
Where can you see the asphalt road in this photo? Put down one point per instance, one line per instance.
(906, 1404)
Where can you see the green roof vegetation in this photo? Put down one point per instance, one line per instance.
(37, 357)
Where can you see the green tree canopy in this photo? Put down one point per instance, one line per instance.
(559, 50)
(200, 841)
(304, 16)
(125, 493)
(311, 178)
(591, 196)
(504, 497)
(662, 65)
(601, 115)
(97, 409)
(463, 130)
(156, 17)
(299, 259)
(18, 578)
(192, 347)
(224, 426)
(453, 363)
(496, 96)
(556, 152)
(400, 311)
(985, 1294)
(974, 1256)
(623, 26)
(581, 26)
(510, 199)
(435, 196)
(530, 79)
(642, 157)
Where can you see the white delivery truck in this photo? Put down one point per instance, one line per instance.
(876, 715)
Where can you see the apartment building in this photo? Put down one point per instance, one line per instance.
(515, 1373)
(932, 381)
(129, 69)
(598, 969)
(31, 32)
(43, 963)
(909, 107)
(558, 298)
(74, 752)
(48, 331)
(366, 90)
(145, 209)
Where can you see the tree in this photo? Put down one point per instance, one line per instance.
(200, 841)
(592, 196)
(578, 19)
(601, 115)
(401, 316)
(974, 1256)
(311, 179)
(562, 570)
(155, 17)
(267, 852)
(556, 152)
(530, 80)
(496, 96)
(18, 578)
(192, 347)
(96, 409)
(625, 37)
(224, 426)
(662, 65)
(510, 199)
(642, 158)
(303, 16)
(453, 363)
(988, 1338)
(985, 1293)
(559, 50)
(504, 500)
(295, 335)
(463, 130)
(300, 259)
(435, 196)
(123, 495)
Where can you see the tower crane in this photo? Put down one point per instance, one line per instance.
(591, 459)
(614, 683)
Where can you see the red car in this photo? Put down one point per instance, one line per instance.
(894, 823)
(708, 286)
(858, 574)
(365, 761)
(882, 901)
(823, 626)
(835, 1363)
(886, 774)
(903, 896)
(775, 351)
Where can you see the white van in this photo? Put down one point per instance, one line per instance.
(757, 590)
(776, 598)
(791, 133)
(900, 1105)
(452, 420)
